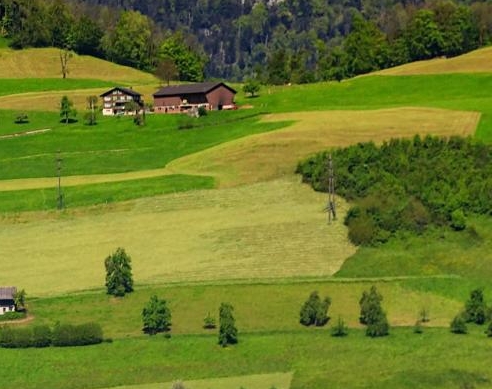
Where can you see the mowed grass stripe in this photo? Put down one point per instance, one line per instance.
(256, 381)
(276, 154)
(276, 229)
(104, 193)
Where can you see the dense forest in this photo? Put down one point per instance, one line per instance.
(276, 41)
(407, 185)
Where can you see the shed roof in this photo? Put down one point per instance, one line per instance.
(185, 89)
(7, 292)
(128, 91)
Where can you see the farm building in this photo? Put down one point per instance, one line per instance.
(115, 100)
(182, 98)
(7, 299)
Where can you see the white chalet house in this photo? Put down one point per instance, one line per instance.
(115, 100)
(7, 295)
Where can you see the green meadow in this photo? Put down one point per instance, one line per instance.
(259, 241)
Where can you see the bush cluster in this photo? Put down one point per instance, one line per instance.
(315, 311)
(62, 335)
(475, 311)
(372, 314)
(407, 184)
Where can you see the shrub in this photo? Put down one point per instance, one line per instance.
(340, 329)
(458, 220)
(458, 325)
(16, 337)
(202, 111)
(178, 385)
(227, 325)
(65, 335)
(475, 308)
(424, 315)
(41, 336)
(156, 316)
(314, 311)
(417, 328)
(21, 118)
(489, 330)
(209, 322)
(8, 316)
(378, 327)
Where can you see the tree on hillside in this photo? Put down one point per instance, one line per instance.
(65, 55)
(227, 325)
(475, 308)
(252, 87)
(91, 115)
(156, 316)
(132, 41)
(66, 110)
(20, 300)
(315, 311)
(372, 314)
(119, 279)
(166, 70)
(188, 59)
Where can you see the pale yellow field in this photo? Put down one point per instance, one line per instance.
(45, 63)
(256, 381)
(478, 61)
(50, 101)
(267, 230)
(276, 154)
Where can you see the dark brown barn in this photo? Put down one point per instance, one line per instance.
(182, 98)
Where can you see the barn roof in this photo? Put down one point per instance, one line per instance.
(128, 91)
(186, 89)
(7, 292)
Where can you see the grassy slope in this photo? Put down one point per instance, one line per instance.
(244, 232)
(277, 153)
(435, 359)
(478, 61)
(45, 63)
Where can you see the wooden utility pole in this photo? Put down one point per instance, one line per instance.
(332, 214)
(59, 168)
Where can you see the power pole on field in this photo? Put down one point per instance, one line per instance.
(330, 207)
(59, 168)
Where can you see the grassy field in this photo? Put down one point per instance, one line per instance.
(269, 305)
(45, 63)
(200, 235)
(261, 242)
(478, 61)
(434, 359)
(277, 153)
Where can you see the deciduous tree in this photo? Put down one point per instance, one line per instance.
(119, 279)
(227, 325)
(156, 316)
(66, 109)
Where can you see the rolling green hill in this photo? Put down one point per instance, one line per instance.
(214, 213)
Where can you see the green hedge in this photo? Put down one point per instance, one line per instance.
(8, 316)
(63, 335)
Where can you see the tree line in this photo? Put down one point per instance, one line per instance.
(407, 185)
(273, 41)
